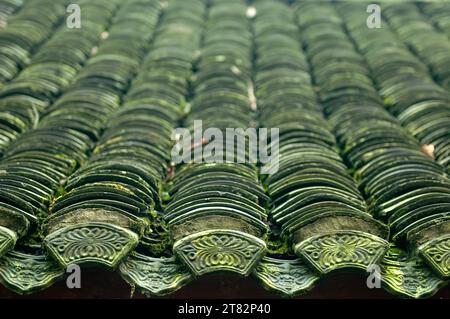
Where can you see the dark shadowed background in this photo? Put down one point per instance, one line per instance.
(97, 283)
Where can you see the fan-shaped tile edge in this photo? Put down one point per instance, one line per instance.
(220, 250)
(342, 249)
(91, 243)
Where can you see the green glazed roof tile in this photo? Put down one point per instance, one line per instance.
(289, 277)
(9, 8)
(407, 275)
(26, 273)
(154, 276)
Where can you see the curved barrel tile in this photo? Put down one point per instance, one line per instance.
(154, 276)
(96, 217)
(315, 200)
(220, 250)
(25, 273)
(217, 203)
(287, 277)
(39, 161)
(91, 243)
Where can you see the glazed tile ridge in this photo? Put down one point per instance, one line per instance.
(415, 209)
(108, 199)
(315, 201)
(152, 268)
(216, 212)
(41, 160)
(20, 177)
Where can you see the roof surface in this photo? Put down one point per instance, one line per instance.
(88, 118)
